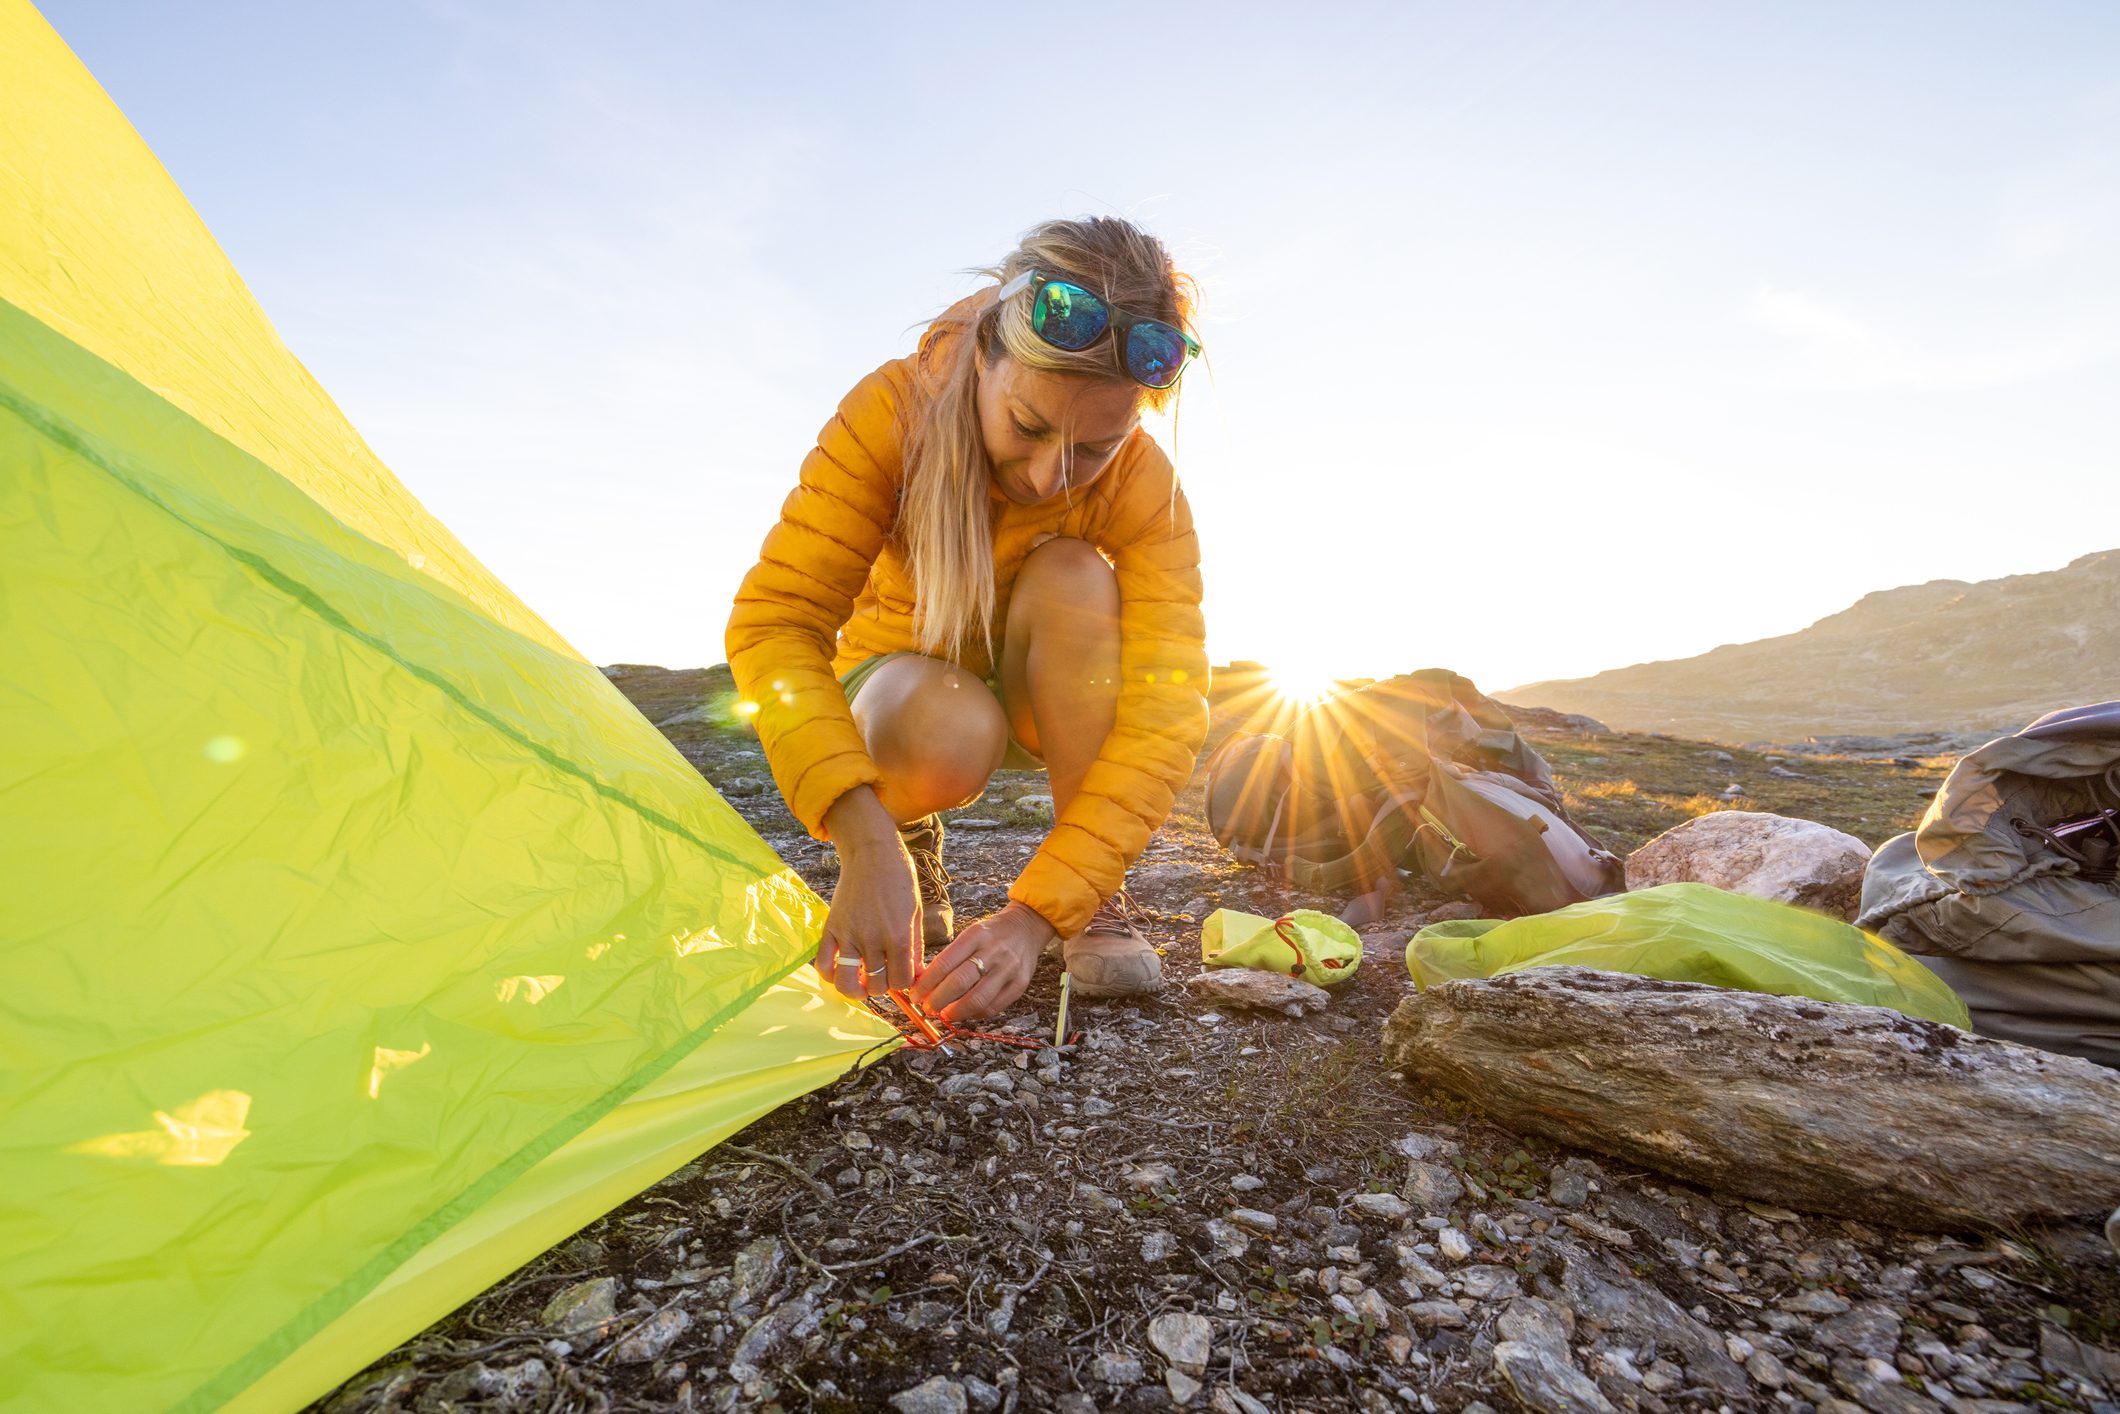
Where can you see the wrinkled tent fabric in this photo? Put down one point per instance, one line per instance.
(1693, 933)
(360, 939)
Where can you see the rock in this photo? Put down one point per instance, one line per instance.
(1157, 1245)
(586, 1307)
(1074, 1402)
(1766, 1371)
(757, 1270)
(1183, 1388)
(935, 1395)
(1569, 1189)
(2066, 1355)
(1487, 1282)
(1531, 1321)
(1182, 1338)
(983, 1396)
(1454, 1245)
(1252, 1220)
(1149, 1177)
(1425, 1146)
(648, 1340)
(1228, 1399)
(1038, 807)
(1370, 1305)
(740, 786)
(1870, 1330)
(1226, 1241)
(1436, 1315)
(1380, 1207)
(1815, 1303)
(2112, 1232)
(1607, 1297)
(1247, 1183)
(1454, 912)
(1753, 852)
(1544, 1380)
(1263, 991)
(790, 1320)
(1433, 1187)
(1115, 1369)
(1857, 1111)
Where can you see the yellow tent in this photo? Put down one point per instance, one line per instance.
(359, 939)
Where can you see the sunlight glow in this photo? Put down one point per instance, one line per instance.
(200, 1134)
(1302, 683)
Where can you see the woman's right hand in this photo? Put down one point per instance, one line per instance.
(872, 930)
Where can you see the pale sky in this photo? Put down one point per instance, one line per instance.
(1542, 338)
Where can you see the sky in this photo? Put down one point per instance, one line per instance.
(1541, 338)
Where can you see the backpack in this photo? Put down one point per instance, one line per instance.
(1418, 772)
(2009, 888)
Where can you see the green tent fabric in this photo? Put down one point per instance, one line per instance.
(1693, 933)
(361, 940)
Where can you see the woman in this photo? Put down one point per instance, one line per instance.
(988, 561)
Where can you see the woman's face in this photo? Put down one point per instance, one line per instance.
(1046, 431)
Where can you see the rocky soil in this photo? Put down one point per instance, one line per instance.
(1235, 1210)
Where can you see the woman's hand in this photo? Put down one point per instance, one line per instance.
(872, 931)
(987, 967)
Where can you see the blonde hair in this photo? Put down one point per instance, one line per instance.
(942, 519)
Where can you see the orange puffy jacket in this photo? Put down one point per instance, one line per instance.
(832, 588)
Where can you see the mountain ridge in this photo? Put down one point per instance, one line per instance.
(1944, 654)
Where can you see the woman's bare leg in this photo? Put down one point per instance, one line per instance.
(935, 732)
(1060, 659)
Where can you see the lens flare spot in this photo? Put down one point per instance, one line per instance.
(387, 1060)
(597, 949)
(200, 1134)
(746, 709)
(225, 749)
(416, 560)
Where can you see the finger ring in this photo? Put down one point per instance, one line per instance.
(877, 968)
(850, 962)
(980, 963)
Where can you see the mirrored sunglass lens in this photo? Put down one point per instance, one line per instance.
(1068, 316)
(1155, 353)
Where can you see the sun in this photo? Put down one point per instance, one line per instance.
(1302, 682)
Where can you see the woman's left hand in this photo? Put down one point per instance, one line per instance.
(987, 967)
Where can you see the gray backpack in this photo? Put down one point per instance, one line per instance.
(2009, 889)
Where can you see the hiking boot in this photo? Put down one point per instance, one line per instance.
(1110, 958)
(923, 841)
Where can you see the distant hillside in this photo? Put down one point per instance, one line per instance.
(1946, 655)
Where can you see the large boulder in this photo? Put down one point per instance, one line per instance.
(1820, 1106)
(1764, 855)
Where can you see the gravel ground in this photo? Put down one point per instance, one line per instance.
(1220, 1210)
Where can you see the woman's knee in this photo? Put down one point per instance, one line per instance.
(935, 732)
(1069, 572)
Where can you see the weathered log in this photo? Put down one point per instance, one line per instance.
(1851, 1110)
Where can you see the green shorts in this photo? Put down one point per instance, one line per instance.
(1018, 757)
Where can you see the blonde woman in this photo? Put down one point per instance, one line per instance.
(989, 562)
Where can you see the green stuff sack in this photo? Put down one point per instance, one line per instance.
(1314, 946)
(1694, 933)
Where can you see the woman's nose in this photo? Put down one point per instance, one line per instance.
(1046, 472)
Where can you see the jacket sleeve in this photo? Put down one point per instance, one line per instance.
(1162, 713)
(790, 607)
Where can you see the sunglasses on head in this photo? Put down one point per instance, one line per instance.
(1065, 315)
